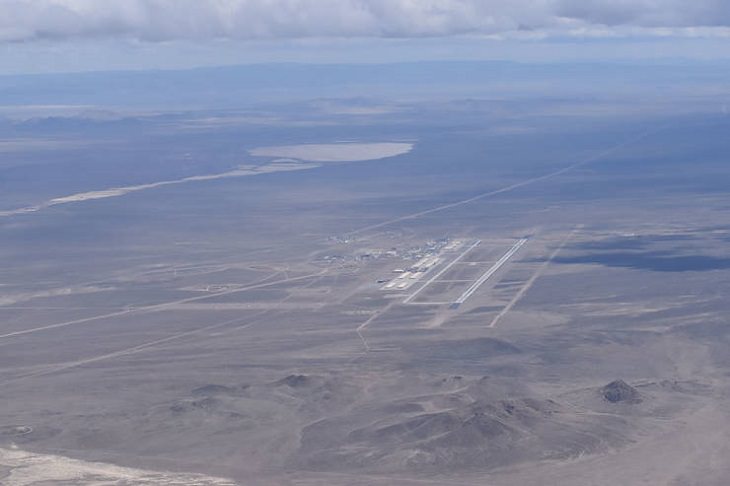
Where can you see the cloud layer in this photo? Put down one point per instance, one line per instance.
(165, 20)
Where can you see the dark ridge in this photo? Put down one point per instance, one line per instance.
(620, 392)
(295, 381)
(213, 389)
(658, 261)
(205, 404)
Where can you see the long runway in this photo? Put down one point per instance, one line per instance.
(441, 272)
(486, 275)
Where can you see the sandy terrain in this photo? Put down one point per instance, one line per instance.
(22, 468)
(335, 152)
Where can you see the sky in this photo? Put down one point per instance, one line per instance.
(83, 35)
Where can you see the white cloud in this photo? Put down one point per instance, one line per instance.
(165, 20)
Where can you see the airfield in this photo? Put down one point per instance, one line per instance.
(318, 367)
(552, 323)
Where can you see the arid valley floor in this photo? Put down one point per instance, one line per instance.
(550, 311)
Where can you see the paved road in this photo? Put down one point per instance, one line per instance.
(157, 307)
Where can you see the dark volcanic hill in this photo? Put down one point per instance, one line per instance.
(619, 391)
